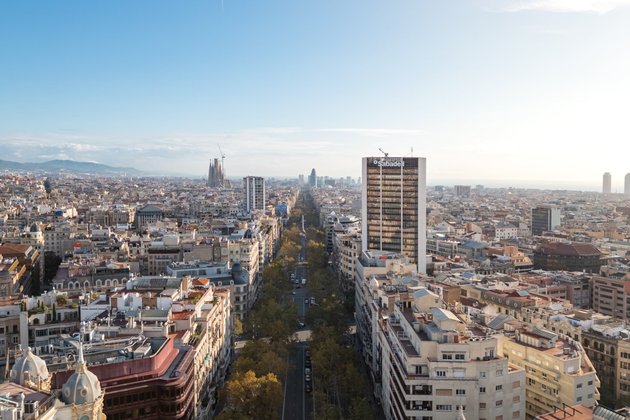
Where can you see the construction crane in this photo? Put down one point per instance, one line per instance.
(383, 152)
(222, 165)
(222, 155)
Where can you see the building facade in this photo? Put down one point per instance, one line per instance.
(215, 174)
(609, 296)
(558, 370)
(393, 213)
(254, 196)
(607, 183)
(545, 219)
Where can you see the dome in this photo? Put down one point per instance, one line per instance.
(237, 268)
(35, 228)
(31, 363)
(82, 387)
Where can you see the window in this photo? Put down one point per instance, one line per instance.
(589, 396)
(590, 383)
(441, 373)
(444, 407)
(459, 357)
(446, 356)
(579, 385)
(498, 387)
(579, 399)
(517, 398)
(482, 405)
(500, 372)
(482, 389)
(516, 414)
(460, 392)
(499, 403)
(482, 374)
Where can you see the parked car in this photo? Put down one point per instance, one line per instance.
(308, 387)
(307, 363)
(306, 300)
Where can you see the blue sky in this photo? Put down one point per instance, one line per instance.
(534, 91)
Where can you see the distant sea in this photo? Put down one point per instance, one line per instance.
(528, 184)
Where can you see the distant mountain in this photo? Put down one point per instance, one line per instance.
(67, 166)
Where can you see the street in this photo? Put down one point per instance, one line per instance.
(298, 404)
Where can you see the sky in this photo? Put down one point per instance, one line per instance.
(502, 92)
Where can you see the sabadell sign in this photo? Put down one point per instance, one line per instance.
(388, 163)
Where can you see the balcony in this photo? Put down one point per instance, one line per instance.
(421, 390)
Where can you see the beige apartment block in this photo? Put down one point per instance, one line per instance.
(558, 370)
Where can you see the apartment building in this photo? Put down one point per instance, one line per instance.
(346, 252)
(607, 345)
(435, 365)
(370, 265)
(609, 295)
(558, 370)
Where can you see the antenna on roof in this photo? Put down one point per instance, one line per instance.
(383, 152)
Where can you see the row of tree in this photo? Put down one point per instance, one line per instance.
(340, 387)
(255, 389)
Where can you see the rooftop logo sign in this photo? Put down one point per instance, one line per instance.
(386, 163)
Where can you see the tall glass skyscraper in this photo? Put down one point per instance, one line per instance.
(393, 212)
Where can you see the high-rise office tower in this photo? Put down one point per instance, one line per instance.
(393, 212)
(312, 179)
(215, 174)
(626, 186)
(545, 219)
(462, 190)
(253, 193)
(607, 184)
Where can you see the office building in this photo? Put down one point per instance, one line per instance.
(607, 184)
(626, 186)
(393, 212)
(312, 179)
(253, 193)
(216, 176)
(462, 190)
(545, 219)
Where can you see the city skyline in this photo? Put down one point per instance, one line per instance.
(517, 96)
